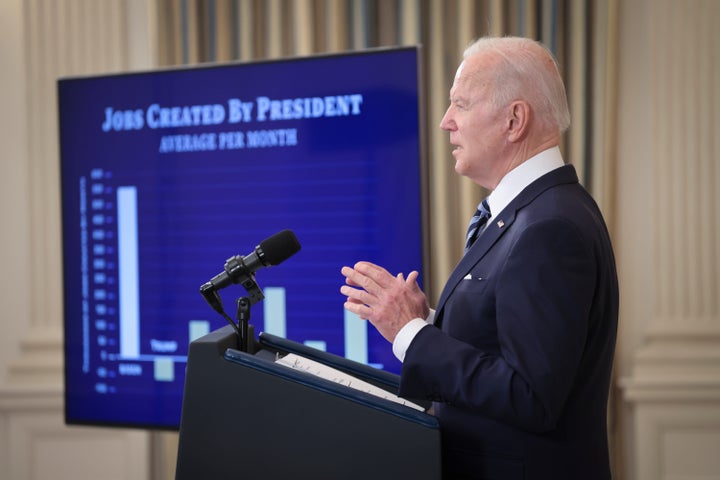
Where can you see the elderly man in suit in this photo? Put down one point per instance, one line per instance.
(517, 356)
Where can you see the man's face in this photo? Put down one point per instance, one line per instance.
(474, 123)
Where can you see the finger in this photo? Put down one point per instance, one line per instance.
(370, 269)
(347, 272)
(351, 276)
(360, 277)
(352, 301)
(351, 282)
(358, 309)
(356, 294)
(412, 278)
(376, 275)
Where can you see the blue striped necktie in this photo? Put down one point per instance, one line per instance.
(476, 223)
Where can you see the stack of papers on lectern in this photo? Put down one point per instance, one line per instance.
(321, 370)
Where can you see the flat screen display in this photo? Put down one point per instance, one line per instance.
(166, 174)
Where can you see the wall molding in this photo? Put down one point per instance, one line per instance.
(57, 38)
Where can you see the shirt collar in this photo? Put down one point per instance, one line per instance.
(523, 175)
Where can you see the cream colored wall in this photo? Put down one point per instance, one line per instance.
(667, 239)
(15, 284)
(39, 41)
(667, 396)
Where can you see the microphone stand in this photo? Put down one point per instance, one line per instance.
(246, 330)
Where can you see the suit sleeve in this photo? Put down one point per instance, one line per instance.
(543, 296)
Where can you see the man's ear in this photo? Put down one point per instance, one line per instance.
(518, 120)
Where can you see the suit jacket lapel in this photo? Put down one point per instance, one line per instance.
(484, 242)
(498, 226)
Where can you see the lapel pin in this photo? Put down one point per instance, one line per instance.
(500, 224)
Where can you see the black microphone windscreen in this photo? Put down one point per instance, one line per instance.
(279, 247)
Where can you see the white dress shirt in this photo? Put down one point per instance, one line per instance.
(509, 187)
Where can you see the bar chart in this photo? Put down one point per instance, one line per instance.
(114, 330)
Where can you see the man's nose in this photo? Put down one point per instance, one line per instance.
(446, 123)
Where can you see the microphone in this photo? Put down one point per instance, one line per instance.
(238, 269)
(272, 251)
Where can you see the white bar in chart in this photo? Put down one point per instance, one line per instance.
(128, 272)
(197, 329)
(356, 338)
(316, 344)
(274, 311)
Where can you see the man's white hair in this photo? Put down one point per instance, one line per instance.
(528, 72)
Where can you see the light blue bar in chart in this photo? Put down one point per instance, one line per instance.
(274, 311)
(197, 329)
(128, 272)
(356, 338)
(316, 344)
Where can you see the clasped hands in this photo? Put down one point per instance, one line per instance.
(387, 301)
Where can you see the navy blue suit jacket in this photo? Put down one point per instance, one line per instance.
(519, 368)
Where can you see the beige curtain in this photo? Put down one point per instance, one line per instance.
(580, 32)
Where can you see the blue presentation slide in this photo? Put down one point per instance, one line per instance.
(166, 174)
